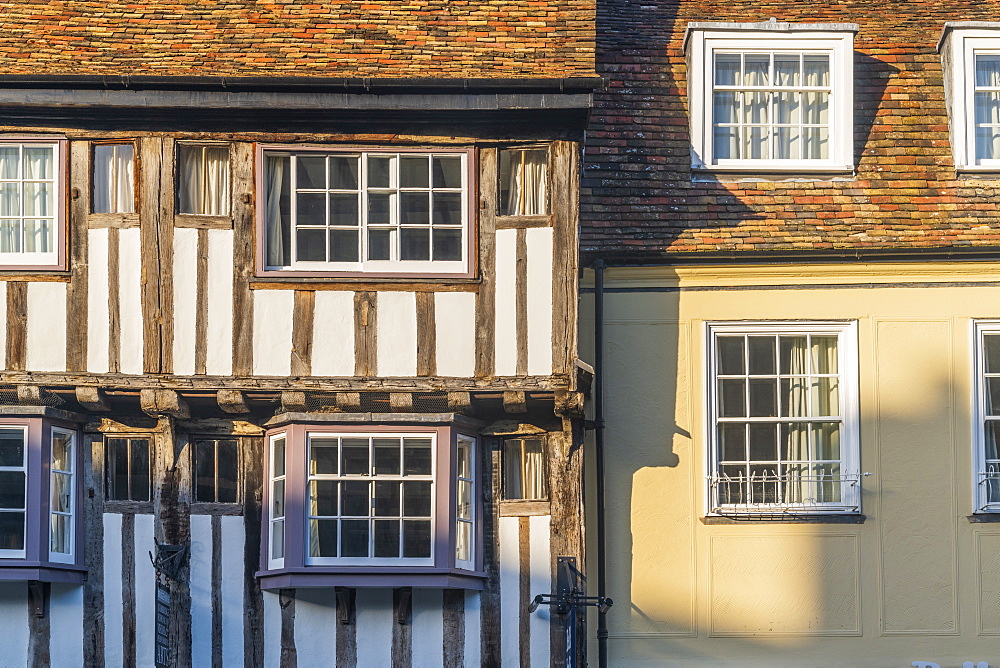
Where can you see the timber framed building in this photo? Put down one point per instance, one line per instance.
(289, 344)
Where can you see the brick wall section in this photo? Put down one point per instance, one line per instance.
(378, 38)
(638, 197)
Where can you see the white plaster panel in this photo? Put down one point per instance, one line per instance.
(510, 592)
(185, 299)
(98, 315)
(428, 628)
(3, 323)
(130, 299)
(272, 332)
(232, 590)
(333, 333)
(374, 622)
(539, 242)
(272, 630)
(14, 622)
(219, 351)
(397, 333)
(316, 626)
(113, 632)
(455, 333)
(145, 592)
(506, 303)
(201, 589)
(66, 624)
(46, 350)
(473, 628)
(540, 583)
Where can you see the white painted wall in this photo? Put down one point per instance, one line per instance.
(272, 332)
(66, 624)
(510, 592)
(219, 352)
(374, 626)
(506, 303)
(541, 583)
(46, 345)
(130, 299)
(97, 301)
(316, 626)
(333, 334)
(397, 333)
(272, 630)
(185, 299)
(145, 592)
(473, 628)
(455, 333)
(113, 635)
(539, 270)
(232, 590)
(14, 622)
(428, 628)
(201, 590)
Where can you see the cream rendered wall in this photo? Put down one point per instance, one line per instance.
(917, 581)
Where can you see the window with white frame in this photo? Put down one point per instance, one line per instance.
(113, 178)
(783, 407)
(62, 469)
(276, 508)
(465, 495)
(971, 59)
(30, 203)
(365, 211)
(987, 417)
(13, 490)
(771, 96)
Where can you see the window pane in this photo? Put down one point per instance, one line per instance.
(755, 69)
(12, 489)
(204, 471)
(278, 463)
(310, 245)
(62, 451)
(447, 208)
(763, 442)
(344, 173)
(278, 499)
(343, 209)
(730, 355)
(463, 542)
(816, 69)
(11, 447)
(993, 396)
(10, 162)
(826, 437)
(417, 538)
(732, 397)
(726, 143)
(311, 208)
(727, 69)
(523, 175)
(413, 172)
(343, 245)
(379, 209)
(786, 69)
(323, 498)
(354, 500)
(761, 354)
(988, 70)
(323, 456)
(139, 483)
(354, 457)
(991, 352)
(102, 179)
(387, 494)
(59, 534)
(725, 109)
(795, 441)
(416, 456)
(732, 442)
(414, 208)
(991, 440)
(465, 449)
(278, 539)
(10, 199)
(38, 162)
(792, 354)
(379, 242)
(354, 537)
(227, 471)
(763, 397)
(414, 244)
(11, 531)
(464, 506)
(378, 171)
(310, 172)
(117, 469)
(447, 172)
(278, 209)
(38, 236)
(448, 244)
(417, 499)
(793, 397)
(10, 232)
(387, 538)
(386, 456)
(322, 538)
(825, 397)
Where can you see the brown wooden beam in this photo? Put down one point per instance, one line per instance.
(232, 401)
(514, 401)
(164, 402)
(92, 398)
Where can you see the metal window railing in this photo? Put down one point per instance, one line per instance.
(989, 486)
(770, 491)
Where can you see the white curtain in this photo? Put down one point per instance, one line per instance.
(39, 198)
(524, 475)
(274, 177)
(987, 105)
(113, 175)
(204, 180)
(795, 351)
(526, 187)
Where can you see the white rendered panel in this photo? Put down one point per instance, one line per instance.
(46, 326)
(130, 299)
(201, 589)
(272, 332)
(66, 624)
(14, 622)
(539, 242)
(145, 592)
(541, 583)
(455, 332)
(232, 590)
(510, 592)
(333, 333)
(397, 333)
(473, 628)
(3, 322)
(374, 626)
(506, 303)
(98, 315)
(428, 628)
(185, 299)
(272, 630)
(219, 352)
(113, 576)
(316, 626)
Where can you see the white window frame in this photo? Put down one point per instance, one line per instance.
(55, 258)
(960, 43)
(364, 266)
(272, 561)
(980, 414)
(847, 342)
(64, 557)
(20, 554)
(473, 519)
(703, 40)
(371, 478)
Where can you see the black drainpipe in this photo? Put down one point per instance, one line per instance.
(602, 614)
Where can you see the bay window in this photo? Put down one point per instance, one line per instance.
(366, 505)
(365, 211)
(783, 406)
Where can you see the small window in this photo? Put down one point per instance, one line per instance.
(771, 96)
(203, 180)
(63, 507)
(276, 514)
(113, 185)
(524, 470)
(971, 55)
(29, 203)
(465, 517)
(13, 490)
(523, 182)
(215, 471)
(127, 469)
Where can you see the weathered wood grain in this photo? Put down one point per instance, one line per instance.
(402, 628)
(39, 625)
(114, 301)
(490, 598)
(286, 601)
(486, 297)
(565, 255)
(201, 305)
(426, 334)
(303, 317)
(17, 325)
(128, 590)
(151, 158)
(243, 261)
(165, 239)
(232, 401)
(514, 401)
(76, 291)
(347, 629)
(93, 552)
(566, 533)
(217, 592)
(521, 301)
(524, 590)
(365, 334)
(252, 449)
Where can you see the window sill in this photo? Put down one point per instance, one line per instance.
(371, 577)
(985, 518)
(14, 571)
(772, 174)
(784, 518)
(359, 282)
(519, 508)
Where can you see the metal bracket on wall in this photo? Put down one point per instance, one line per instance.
(570, 591)
(169, 559)
(38, 594)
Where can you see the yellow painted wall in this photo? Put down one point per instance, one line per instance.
(917, 581)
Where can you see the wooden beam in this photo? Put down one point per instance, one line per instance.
(92, 398)
(163, 402)
(401, 402)
(459, 402)
(486, 297)
(31, 395)
(293, 402)
(568, 404)
(349, 402)
(232, 401)
(514, 401)
(516, 428)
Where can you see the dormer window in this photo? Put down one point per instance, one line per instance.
(970, 51)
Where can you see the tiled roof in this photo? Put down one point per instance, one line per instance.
(638, 194)
(375, 38)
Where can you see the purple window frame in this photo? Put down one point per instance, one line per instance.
(444, 570)
(37, 563)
